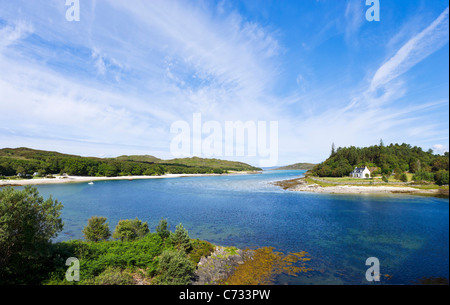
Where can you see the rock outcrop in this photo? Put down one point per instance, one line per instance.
(219, 265)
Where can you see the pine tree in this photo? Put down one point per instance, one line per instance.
(181, 238)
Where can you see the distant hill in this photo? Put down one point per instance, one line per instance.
(194, 161)
(297, 166)
(140, 158)
(28, 153)
(213, 163)
(26, 161)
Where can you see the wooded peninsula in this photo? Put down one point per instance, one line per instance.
(26, 162)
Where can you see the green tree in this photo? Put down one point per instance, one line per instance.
(423, 175)
(175, 268)
(181, 238)
(442, 177)
(403, 177)
(97, 229)
(130, 230)
(163, 229)
(27, 225)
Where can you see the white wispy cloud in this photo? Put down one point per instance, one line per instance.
(376, 108)
(12, 33)
(414, 51)
(163, 62)
(115, 82)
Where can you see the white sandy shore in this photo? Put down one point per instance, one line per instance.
(78, 179)
(300, 185)
(351, 189)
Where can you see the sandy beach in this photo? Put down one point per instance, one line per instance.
(79, 179)
(301, 185)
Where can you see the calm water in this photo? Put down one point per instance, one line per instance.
(409, 235)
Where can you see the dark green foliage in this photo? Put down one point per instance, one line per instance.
(27, 256)
(403, 177)
(27, 224)
(96, 257)
(175, 268)
(384, 160)
(163, 228)
(28, 161)
(130, 229)
(442, 177)
(422, 175)
(97, 229)
(117, 262)
(181, 239)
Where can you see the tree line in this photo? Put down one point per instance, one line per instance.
(386, 160)
(47, 163)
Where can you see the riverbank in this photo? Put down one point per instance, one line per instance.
(81, 179)
(309, 185)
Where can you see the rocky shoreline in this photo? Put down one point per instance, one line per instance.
(302, 185)
(220, 265)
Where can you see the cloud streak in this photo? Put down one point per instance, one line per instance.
(414, 51)
(118, 79)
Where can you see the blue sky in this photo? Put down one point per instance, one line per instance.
(114, 82)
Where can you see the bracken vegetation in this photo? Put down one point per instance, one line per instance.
(264, 264)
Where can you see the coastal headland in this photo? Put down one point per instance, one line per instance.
(316, 185)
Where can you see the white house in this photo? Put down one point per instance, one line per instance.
(360, 172)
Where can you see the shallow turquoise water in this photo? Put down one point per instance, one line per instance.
(409, 235)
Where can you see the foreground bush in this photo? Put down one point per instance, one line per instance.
(27, 225)
(175, 268)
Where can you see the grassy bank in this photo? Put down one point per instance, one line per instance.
(346, 185)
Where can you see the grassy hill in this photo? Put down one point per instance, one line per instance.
(297, 166)
(26, 161)
(28, 153)
(140, 158)
(213, 163)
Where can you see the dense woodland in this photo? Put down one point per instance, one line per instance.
(386, 160)
(27, 162)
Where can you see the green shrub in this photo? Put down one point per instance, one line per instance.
(442, 177)
(112, 276)
(403, 177)
(422, 175)
(181, 238)
(27, 225)
(97, 229)
(163, 228)
(130, 229)
(199, 249)
(175, 268)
